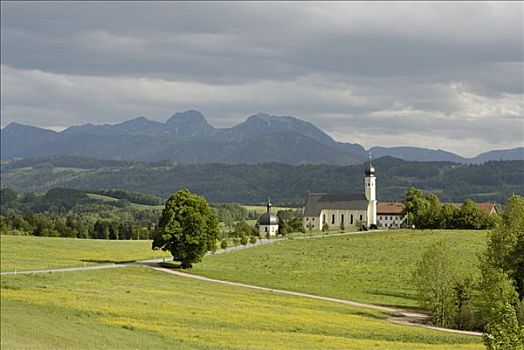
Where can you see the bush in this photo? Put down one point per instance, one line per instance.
(373, 227)
(253, 240)
(504, 332)
(223, 244)
(325, 227)
(243, 240)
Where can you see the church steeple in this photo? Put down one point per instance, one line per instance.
(370, 170)
(268, 204)
(370, 192)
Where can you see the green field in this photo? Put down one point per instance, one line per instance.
(261, 209)
(30, 252)
(103, 198)
(137, 308)
(369, 267)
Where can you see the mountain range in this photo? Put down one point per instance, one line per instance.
(187, 137)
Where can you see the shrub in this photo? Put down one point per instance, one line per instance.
(223, 244)
(504, 332)
(253, 240)
(243, 240)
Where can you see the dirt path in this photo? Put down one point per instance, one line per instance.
(401, 316)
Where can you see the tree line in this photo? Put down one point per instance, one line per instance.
(427, 212)
(490, 299)
(63, 212)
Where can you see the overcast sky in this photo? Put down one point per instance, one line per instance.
(436, 75)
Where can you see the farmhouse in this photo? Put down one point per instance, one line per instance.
(343, 210)
(487, 207)
(390, 215)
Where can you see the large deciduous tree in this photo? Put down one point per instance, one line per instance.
(415, 206)
(187, 228)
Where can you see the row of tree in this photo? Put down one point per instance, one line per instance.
(428, 212)
(64, 212)
(124, 226)
(493, 302)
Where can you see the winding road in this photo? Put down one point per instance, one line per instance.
(399, 316)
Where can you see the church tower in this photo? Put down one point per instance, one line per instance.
(370, 192)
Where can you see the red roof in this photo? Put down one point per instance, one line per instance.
(395, 208)
(389, 208)
(486, 207)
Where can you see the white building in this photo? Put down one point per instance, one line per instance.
(343, 210)
(390, 215)
(268, 223)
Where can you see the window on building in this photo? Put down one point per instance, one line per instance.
(265, 229)
(360, 217)
(342, 218)
(313, 219)
(324, 218)
(391, 218)
(307, 219)
(333, 219)
(385, 225)
(351, 219)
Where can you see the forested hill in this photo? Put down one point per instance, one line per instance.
(286, 184)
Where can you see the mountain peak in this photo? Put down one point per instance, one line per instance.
(187, 116)
(188, 124)
(135, 121)
(260, 116)
(14, 127)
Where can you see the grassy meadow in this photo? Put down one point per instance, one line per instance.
(261, 209)
(109, 199)
(372, 267)
(138, 308)
(30, 252)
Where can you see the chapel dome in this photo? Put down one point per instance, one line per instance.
(268, 219)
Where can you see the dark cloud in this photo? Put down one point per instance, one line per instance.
(365, 72)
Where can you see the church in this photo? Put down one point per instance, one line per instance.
(357, 210)
(343, 210)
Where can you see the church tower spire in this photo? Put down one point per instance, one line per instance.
(370, 192)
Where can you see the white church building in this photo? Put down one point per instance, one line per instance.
(343, 210)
